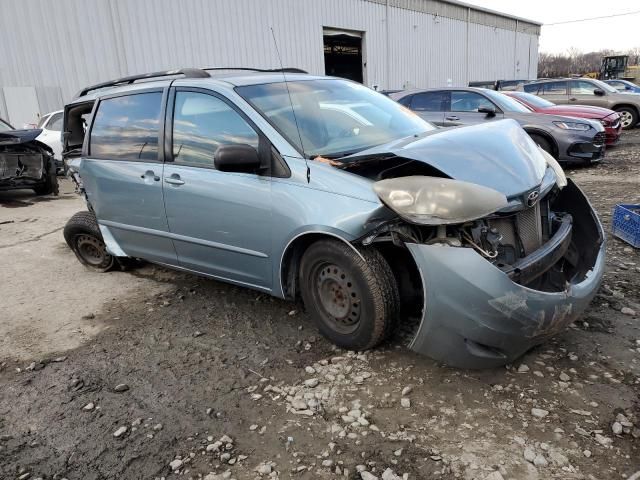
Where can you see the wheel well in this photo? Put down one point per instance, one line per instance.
(290, 264)
(402, 265)
(626, 105)
(547, 137)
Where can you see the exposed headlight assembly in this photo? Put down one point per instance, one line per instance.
(438, 201)
(561, 178)
(583, 127)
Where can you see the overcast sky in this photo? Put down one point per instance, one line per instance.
(618, 33)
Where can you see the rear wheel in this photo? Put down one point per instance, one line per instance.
(628, 117)
(352, 296)
(83, 236)
(544, 143)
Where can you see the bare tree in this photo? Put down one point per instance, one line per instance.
(576, 62)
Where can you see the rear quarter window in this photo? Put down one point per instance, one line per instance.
(126, 127)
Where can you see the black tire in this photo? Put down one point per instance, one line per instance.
(50, 186)
(628, 117)
(83, 237)
(353, 298)
(544, 143)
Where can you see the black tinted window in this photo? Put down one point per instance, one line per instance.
(531, 88)
(126, 128)
(428, 101)
(202, 123)
(469, 102)
(554, 88)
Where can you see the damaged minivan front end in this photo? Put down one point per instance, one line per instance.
(507, 256)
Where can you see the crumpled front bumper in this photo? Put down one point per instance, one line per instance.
(475, 316)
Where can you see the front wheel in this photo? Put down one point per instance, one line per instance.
(351, 295)
(82, 234)
(628, 117)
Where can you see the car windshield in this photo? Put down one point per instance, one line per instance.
(42, 120)
(333, 118)
(534, 100)
(4, 126)
(506, 103)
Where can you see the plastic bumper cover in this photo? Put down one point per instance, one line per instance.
(475, 316)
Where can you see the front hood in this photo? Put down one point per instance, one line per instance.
(18, 140)
(499, 155)
(578, 111)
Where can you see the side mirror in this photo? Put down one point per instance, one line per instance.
(236, 158)
(490, 111)
(598, 92)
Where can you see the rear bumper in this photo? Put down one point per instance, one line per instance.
(476, 316)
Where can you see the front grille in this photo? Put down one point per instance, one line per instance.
(599, 139)
(521, 233)
(530, 228)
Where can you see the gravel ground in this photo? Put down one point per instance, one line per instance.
(152, 373)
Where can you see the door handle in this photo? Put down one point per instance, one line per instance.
(174, 180)
(452, 117)
(573, 99)
(150, 173)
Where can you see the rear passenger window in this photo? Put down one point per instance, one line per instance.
(126, 127)
(202, 123)
(531, 88)
(554, 88)
(428, 101)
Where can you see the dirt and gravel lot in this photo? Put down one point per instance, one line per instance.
(151, 373)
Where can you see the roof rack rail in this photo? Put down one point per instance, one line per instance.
(187, 72)
(262, 70)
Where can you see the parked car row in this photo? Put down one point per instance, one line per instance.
(322, 190)
(565, 138)
(588, 91)
(579, 91)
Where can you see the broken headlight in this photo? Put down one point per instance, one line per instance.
(438, 201)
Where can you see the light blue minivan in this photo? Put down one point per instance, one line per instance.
(320, 190)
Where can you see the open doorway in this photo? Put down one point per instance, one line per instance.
(343, 54)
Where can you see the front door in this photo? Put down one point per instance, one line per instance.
(464, 106)
(583, 93)
(220, 222)
(122, 173)
(430, 106)
(556, 92)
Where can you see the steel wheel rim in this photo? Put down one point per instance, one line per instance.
(93, 251)
(338, 297)
(625, 119)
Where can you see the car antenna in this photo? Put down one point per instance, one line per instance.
(293, 111)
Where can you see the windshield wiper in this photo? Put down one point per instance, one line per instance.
(338, 155)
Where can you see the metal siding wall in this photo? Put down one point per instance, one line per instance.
(426, 51)
(73, 43)
(491, 53)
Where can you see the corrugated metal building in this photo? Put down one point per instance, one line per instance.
(50, 49)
